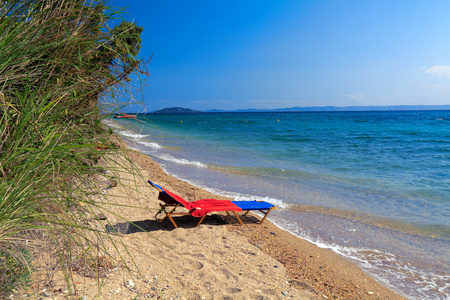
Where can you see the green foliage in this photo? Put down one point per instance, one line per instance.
(57, 59)
(14, 271)
(127, 38)
(127, 43)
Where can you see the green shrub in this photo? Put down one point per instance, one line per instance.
(14, 271)
(61, 68)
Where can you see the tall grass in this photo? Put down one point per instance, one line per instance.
(59, 65)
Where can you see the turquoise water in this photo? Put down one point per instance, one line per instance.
(372, 186)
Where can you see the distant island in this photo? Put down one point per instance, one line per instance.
(177, 110)
(181, 110)
(346, 108)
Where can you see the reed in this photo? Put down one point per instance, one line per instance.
(61, 69)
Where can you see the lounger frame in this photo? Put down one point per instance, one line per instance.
(170, 205)
(170, 213)
(248, 208)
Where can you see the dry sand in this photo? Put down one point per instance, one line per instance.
(216, 260)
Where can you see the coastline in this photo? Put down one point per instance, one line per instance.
(216, 260)
(308, 267)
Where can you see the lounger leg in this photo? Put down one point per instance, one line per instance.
(160, 211)
(171, 219)
(265, 216)
(160, 220)
(239, 219)
(201, 220)
(163, 210)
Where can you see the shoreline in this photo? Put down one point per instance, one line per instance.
(216, 260)
(349, 205)
(308, 267)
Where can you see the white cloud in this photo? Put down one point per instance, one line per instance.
(439, 71)
(222, 101)
(272, 101)
(363, 100)
(210, 102)
(356, 99)
(437, 87)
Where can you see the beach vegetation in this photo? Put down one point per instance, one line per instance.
(61, 68)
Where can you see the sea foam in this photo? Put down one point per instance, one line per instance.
(150, 144)
(182, 161)
(133, 135)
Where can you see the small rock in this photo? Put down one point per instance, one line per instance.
(275, 266)
(101, 217)
(129, 284)
(285, 293)
(84, 298)
(113, 183)
(325, 297)
(45, 294)
(273, 233)
(370, 293)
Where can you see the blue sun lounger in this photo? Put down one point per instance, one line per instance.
(261, 206)
(173, 201)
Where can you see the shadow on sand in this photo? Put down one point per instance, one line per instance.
(182, 222)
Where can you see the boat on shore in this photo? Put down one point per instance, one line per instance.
(125, 116)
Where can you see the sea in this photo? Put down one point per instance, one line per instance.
(372, 186)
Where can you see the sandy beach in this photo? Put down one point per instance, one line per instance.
(216, 260)
(332, 112)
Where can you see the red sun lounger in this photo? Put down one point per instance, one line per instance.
(201, 208)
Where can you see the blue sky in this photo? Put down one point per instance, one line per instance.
(212, 54)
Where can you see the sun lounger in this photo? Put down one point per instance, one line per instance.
(201, 208)
(262, 206)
